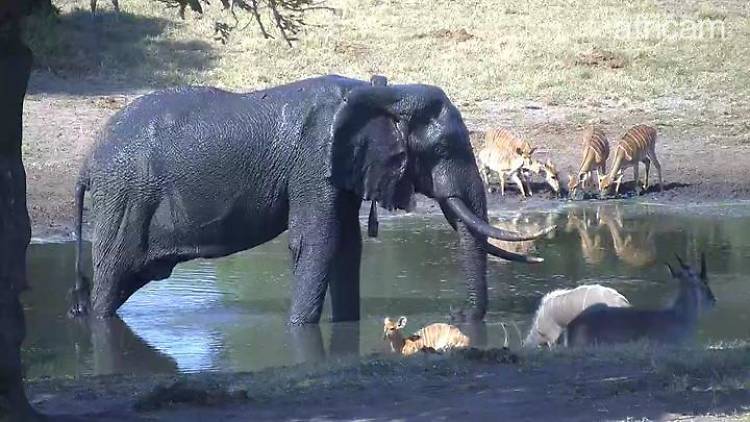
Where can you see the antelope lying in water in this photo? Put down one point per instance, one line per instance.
(505, 156)
(595, 154)
(436, 336)
(559, 307)
(602, 324)
(636, 146)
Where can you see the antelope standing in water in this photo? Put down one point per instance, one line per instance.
(595, 154)
(636, 146)
(602, 324)
(436, 336)
(559, 307)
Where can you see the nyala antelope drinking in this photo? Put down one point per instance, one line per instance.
(436, 336)
(505, 156)
(636, 146)
(559, 307)
(595, 154)
(602, 324)
(545, 169)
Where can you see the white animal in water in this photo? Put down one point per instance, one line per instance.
(559, 307)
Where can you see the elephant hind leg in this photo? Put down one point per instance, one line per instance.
(118, 255)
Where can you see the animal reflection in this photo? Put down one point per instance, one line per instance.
(586, 223)
(116, 349)
(522, 223)
(633, 243)
(559, 307)
(307, 342)
(604, 324)
(633, 247)
(434, 337)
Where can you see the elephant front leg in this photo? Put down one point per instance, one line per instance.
(344, 280)
(311, 264)
(326, 246)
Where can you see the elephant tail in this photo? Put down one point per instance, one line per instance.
(81, 186)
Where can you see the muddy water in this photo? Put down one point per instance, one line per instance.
(229, 314)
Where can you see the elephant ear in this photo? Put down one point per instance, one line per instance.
(368, 149)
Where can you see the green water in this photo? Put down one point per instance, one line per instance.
(230, 313)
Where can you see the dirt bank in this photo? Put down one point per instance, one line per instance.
(618, 384)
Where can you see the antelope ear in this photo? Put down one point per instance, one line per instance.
(386, 321)
(368, 149)
(401, 322)
(531, 151)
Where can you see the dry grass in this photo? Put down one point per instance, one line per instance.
(560, 52)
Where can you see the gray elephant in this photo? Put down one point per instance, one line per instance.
(198, 172)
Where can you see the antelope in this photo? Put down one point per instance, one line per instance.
(603, 324)
(559, 307)
(503, 164)
(595, 154)
(636, 146)
(438, 336)
(546, 170)
(506, 156)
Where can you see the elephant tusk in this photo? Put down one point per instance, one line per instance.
(479, 226)
(510, 256)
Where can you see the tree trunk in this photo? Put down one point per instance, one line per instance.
(15, 232)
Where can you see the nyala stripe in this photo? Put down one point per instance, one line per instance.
(595, 139)
(637, 140)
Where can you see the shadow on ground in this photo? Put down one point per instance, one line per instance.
(81, 53)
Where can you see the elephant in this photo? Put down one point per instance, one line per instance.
(200, 172)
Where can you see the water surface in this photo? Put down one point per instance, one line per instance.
(230, 313)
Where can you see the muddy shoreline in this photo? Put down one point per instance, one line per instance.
(496, 384)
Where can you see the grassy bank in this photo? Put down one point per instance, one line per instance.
(616, 377)
(559, 52)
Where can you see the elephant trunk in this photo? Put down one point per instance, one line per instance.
(467, 213)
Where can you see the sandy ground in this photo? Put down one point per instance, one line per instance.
(703, 150)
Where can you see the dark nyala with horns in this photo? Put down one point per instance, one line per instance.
(603, 324)
(638, 145)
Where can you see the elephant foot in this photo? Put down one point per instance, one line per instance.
(80, 302)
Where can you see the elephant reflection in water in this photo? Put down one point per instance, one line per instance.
(307, 342)
(116, 349)
(522, 223)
